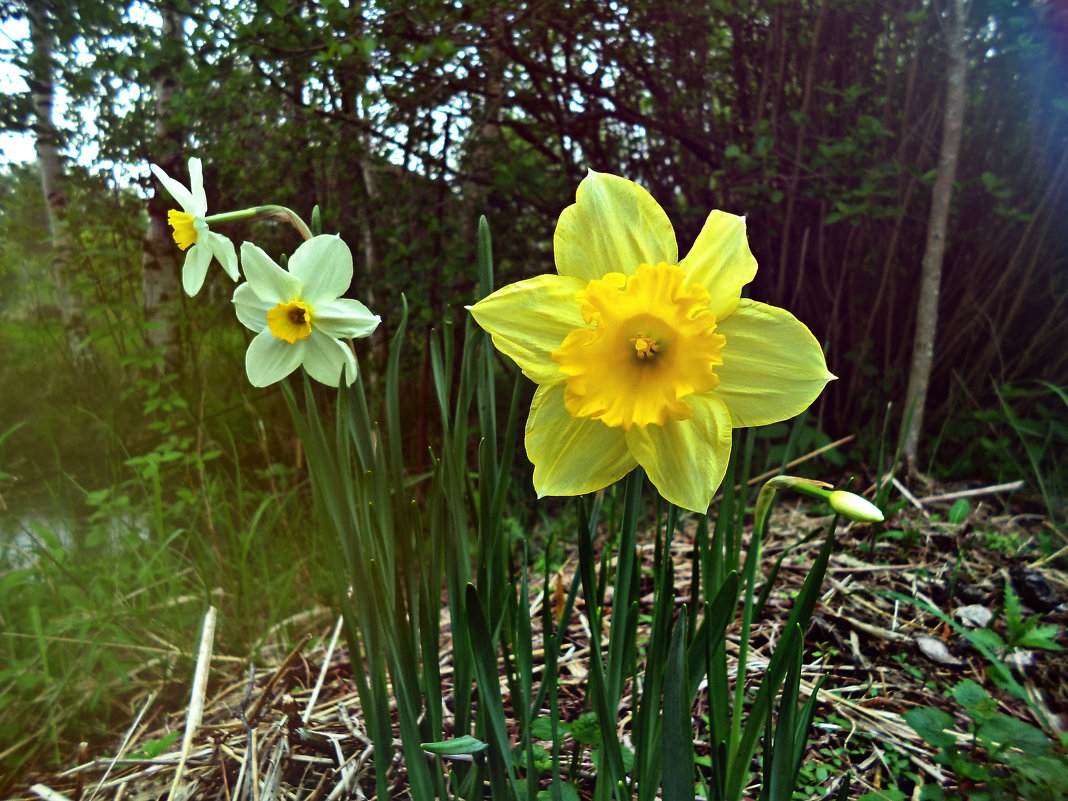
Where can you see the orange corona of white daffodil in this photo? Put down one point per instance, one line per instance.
(642, 359)
(191, 232)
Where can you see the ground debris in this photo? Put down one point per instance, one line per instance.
(884, 633)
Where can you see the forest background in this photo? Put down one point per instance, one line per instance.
(125, 410)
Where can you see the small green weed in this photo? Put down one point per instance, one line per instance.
(1006, 543)
(1020, 762)
(573, 737)
(824, 763)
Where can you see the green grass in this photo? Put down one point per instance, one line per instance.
(129, 502)
(90, 626)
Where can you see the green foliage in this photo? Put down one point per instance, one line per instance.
(959, 511)
(1026, 632)
(460, 745)
(1001, 669)
(408, 126)
(150, 749)
(1020, 760)
(1023, 435)
(24, 244)
(1001, 542)
(99, 609)
(823, 764)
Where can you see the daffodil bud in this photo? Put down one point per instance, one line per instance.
(844, 503)
(854, 507)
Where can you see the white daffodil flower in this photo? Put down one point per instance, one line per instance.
(299, 315)
(191, 229)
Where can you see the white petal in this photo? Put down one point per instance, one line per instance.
(268, 359)
(351, 370)
(345, 318)
(196, 187)
(325, 358)
(176, 190)
(195, 268)
(251, 311)
(269, 281)
(223, 249)
(324, 265)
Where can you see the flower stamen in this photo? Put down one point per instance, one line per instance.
(644, 346)
(185, 232)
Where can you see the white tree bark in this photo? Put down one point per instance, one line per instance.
(931, 270)
(161, 260)
(42, 90)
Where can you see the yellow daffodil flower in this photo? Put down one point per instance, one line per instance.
(191, 232)
(642, 359)
(299, 315)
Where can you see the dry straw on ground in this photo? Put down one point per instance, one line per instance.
(293, 731)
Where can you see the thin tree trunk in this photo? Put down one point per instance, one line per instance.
(160, 265)
(485, 131)
(42, 90)
(931, 269)
(786, 246)
(376, 342)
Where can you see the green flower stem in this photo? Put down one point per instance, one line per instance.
(280, 213)
(741, 742)
(749, 577)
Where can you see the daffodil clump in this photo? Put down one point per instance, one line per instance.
(191, 232)
(642, 359)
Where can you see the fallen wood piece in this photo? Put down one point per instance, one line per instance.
(196, 696)
(47, 793)
(971, 493)
(875, 631)
(910, 497)
(322, 673)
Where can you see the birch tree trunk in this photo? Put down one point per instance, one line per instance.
(931, 270)
(42, 91)
(160, 262)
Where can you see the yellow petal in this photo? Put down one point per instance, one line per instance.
(686, 459)
(720, 261)
(614, 226)
(773, 368)
(529, 319)
(571, 455)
